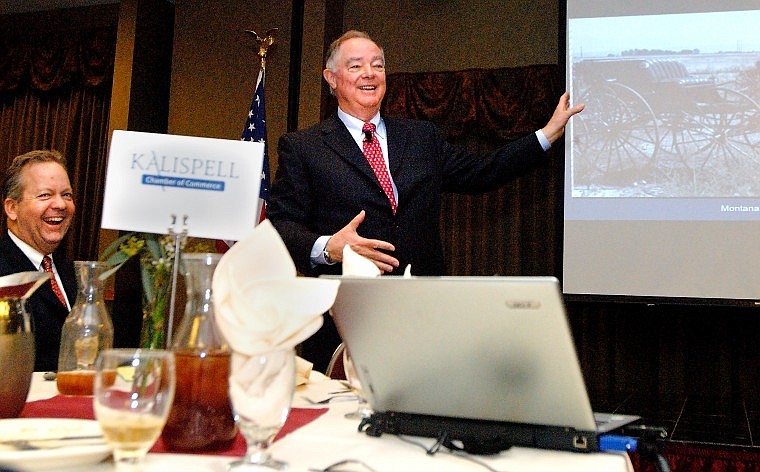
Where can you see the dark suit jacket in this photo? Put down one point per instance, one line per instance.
(323, 180)
(46, 312)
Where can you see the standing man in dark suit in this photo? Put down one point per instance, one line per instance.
(326, 194)
(39, 206)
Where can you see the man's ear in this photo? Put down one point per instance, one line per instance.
(10, 208)
(330, 78)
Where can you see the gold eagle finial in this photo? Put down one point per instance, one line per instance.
(264, 42)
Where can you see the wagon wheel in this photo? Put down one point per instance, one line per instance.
(724, 126)
(616, 133)
(716, 137)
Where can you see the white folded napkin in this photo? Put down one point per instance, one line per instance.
(261, 387)
(357, 265)
(260, 302)
(303, 370)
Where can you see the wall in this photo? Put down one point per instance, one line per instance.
(441, 35)
(214, 65)
(312, 62)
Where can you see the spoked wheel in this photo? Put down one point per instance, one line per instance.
(716, 138)
(725, 127)
(617, 132)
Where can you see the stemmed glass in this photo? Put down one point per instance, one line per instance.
(261, 390)
(133, 394)
(363, 410)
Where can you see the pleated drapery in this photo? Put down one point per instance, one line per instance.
(55, 92)
(504, 232)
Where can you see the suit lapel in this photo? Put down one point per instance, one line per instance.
(68, 278)
(396, 144)
(16, 256)
(336, 137)
(19, 260)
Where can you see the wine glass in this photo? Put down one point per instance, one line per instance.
(261, 391)
(363, 410)
(133, 394)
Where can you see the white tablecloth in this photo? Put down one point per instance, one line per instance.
(332, 438)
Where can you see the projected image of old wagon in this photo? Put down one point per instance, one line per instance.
(649, 122)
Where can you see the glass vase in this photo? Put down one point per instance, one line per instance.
(87, 331)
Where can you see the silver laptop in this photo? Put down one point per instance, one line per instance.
(493, 349)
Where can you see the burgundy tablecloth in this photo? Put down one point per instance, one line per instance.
(61, 406)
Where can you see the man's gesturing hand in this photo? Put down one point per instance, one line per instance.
(372, 249)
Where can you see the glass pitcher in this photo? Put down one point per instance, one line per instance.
(201, 418)
(16, 339)
(16, 356)
(87, 331)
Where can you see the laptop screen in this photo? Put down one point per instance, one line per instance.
(491, 348)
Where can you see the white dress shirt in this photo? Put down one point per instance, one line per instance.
(36, 259)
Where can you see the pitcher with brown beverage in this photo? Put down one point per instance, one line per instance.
(201, 418)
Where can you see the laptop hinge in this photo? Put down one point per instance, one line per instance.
(479, 436)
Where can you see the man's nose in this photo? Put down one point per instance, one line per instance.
(59, 201)
(368, 71)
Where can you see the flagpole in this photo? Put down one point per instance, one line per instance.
(264, 42)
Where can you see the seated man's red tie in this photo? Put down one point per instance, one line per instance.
(48, 266)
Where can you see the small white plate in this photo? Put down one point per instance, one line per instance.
(46, 428)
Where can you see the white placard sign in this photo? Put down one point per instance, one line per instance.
(211, 185)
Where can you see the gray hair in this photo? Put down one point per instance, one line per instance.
(12, 183)
(334, 49)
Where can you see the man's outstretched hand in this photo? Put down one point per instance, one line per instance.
(555, 128)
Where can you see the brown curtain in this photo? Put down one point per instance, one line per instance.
(55, 93)
(504, 232)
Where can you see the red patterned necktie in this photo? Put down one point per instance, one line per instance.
(374, 155)
(48, 266)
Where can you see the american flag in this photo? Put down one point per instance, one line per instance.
(256, 130)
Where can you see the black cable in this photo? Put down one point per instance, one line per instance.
(661, 463)
(442, 439)
(651, 451)
(444, 450)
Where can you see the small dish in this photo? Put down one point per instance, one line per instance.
(48, 428)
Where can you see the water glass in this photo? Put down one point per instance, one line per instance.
(362, 410)
(133, 394)
(261, 391)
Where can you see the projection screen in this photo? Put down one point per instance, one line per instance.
(662, 171)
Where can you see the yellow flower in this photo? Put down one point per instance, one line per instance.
(132, 246)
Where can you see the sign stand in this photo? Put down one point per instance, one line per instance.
(179, 242)
(213, 182)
